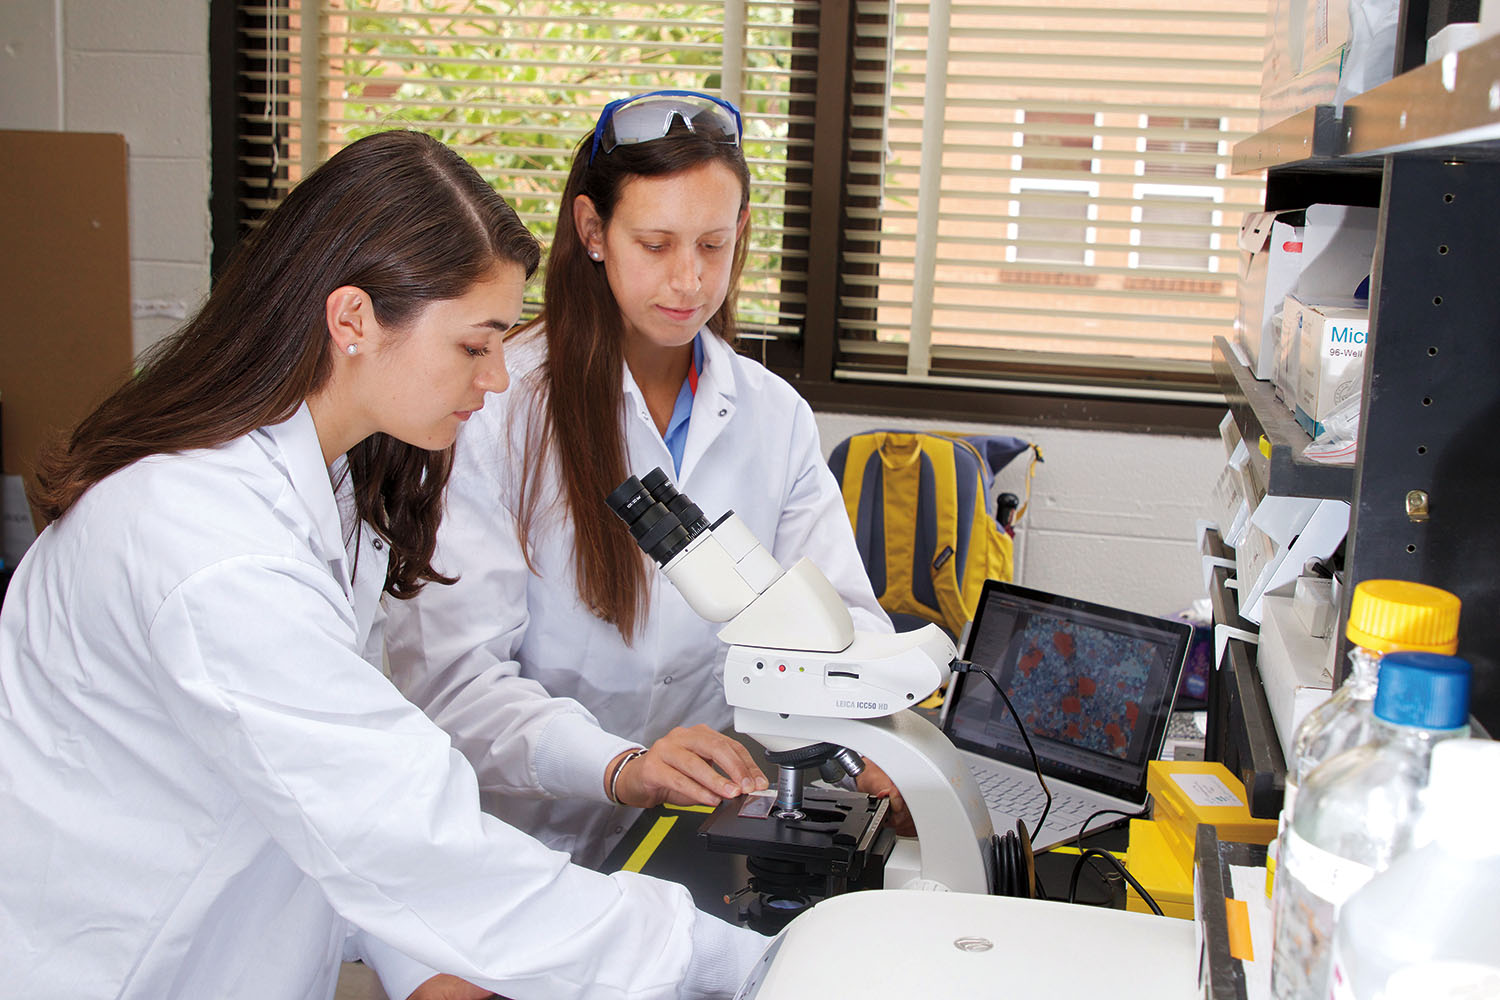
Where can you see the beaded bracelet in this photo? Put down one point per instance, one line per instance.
(615, 777)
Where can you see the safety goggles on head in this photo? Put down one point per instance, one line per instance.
(650, 116)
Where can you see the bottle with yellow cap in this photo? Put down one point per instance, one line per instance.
(1359, 811)
(1384, 616)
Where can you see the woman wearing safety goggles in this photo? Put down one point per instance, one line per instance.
(558, 658)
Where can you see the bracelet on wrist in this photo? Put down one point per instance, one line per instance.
(615, 776)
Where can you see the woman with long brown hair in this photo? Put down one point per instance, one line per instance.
(207, 787)
(580, 685)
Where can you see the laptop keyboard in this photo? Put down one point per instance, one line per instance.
(1020, 795)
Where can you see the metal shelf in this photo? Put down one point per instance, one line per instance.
(1258, 413)
(1306, 138)
(1447, 103)
(1442, 105)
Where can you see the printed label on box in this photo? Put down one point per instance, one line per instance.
(1206, 790)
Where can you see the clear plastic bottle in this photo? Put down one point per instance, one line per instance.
(1427, 926)
(1384, 616)
(1358, 811)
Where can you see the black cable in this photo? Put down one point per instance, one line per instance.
(1084, 829)
(962, 667)
(1094, 852)
(1105, 880)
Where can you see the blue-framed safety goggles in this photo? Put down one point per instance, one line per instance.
(649, 116)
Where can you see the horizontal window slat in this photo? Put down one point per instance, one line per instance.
(1249, 89)
(1089, 336)
(1049, 267)
(1055, 12)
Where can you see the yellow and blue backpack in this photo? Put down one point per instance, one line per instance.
(924, 520)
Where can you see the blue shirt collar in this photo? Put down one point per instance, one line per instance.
(682, 410)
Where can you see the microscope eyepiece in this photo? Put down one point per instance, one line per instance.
(663, 492)
(655, 528)
(629, 499)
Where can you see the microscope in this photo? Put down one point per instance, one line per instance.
(809, 688)
(813, 691)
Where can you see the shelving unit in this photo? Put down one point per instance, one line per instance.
(1258, 413)
(1424, 148)
(1241, 734)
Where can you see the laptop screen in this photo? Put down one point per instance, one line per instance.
(1093, 684)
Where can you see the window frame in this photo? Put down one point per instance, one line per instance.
(1107, 400)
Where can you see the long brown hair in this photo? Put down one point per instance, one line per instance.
(397, 214)
(583, 402)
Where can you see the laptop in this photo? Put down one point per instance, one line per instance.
(1094, 686)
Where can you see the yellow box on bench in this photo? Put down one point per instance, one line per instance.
(1189, 792)
(1153, 864)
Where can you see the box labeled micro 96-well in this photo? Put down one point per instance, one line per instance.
(1331, 339)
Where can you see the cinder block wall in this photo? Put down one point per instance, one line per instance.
(140, 69)
(1113, 516)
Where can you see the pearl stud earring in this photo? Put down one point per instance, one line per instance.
(596, 255)
(352, 349)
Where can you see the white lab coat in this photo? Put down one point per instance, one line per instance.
(538, 692)
(204, 787)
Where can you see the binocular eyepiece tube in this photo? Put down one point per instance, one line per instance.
(663, 492)
(661, 520)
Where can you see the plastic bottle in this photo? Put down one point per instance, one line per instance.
(1384, 616)
(1427, 926)
(1358, 811)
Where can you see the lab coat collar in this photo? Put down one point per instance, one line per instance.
(717, 374)
(296, 441)
(713, 404)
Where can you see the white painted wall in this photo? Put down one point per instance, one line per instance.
(140, 69)
(1112, 515)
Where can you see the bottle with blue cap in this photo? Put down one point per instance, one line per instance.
(1360, 810)
(1384, 616)
(1425, 928)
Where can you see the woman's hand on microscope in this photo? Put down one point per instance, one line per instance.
(696, 765)
(874, 781)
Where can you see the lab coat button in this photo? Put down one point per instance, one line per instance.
(378, 544)
(619, 829)
(667, 679)
(723, 413)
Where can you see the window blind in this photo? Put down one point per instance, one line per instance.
(513, 86)
(1041, 193)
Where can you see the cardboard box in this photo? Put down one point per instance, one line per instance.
(1285, 371)
(1316, 83)
(1286, 20)
(1270, 260)
(1322, 533)
(66, 340)
(1325, 36)
(1295, 668)
(1320, 254)
(1332, 339)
